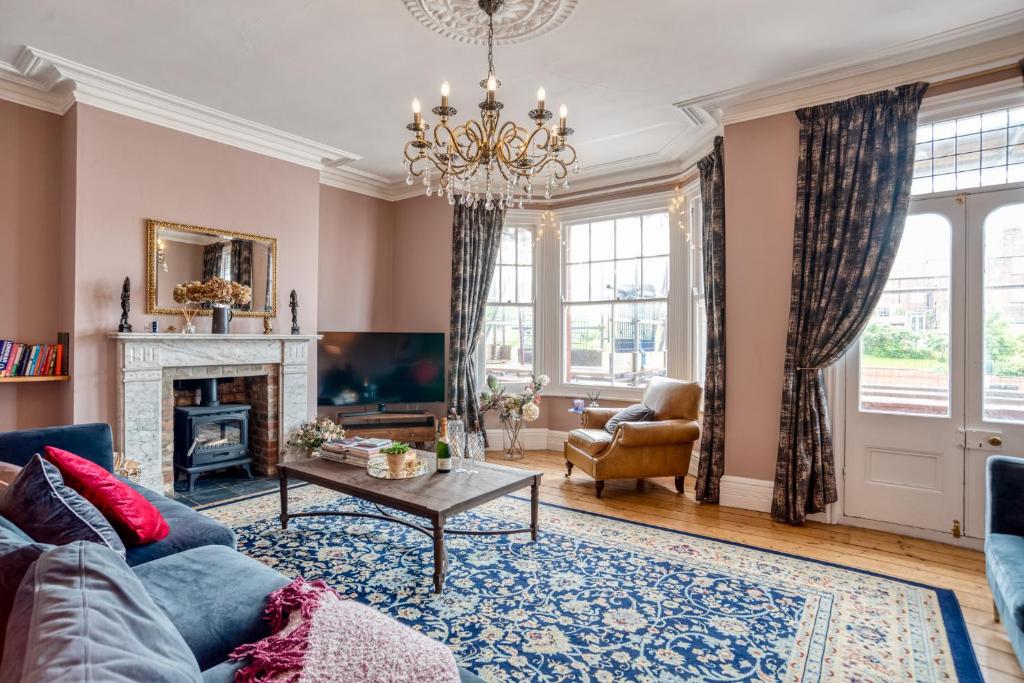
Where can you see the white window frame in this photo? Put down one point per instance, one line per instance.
(518, 219)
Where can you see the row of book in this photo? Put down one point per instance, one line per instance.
(354, 450)
(31, 360)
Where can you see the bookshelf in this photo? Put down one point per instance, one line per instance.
(63, 376)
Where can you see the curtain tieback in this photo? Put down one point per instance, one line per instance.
(811, 369)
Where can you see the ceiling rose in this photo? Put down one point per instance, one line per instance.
(520, 20)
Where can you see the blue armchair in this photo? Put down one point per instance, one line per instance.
(1004, 544)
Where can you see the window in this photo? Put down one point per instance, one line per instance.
(508, 322)
(615, 300)
(970, 151)
(699, 318)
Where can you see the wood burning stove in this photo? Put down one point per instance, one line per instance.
(210, 436)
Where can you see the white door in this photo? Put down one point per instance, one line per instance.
(995, 340)
(936, 383)
(905, 378)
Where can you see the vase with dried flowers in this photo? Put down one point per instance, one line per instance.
(513, 409)
(314, 433)
(217, 293)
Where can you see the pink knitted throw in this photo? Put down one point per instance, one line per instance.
(320, 638)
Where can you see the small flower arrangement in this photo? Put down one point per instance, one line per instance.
(312, 434)
(521, 406)
(395, 448)
(216, 291)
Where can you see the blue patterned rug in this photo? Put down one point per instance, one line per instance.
(600, 599)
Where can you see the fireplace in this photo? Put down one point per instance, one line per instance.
(209, 436)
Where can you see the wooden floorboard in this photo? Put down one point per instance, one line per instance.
(656, 502)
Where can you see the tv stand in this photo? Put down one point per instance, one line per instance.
(417, 427)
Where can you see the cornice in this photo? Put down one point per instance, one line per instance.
(982, 45)
(53, 83)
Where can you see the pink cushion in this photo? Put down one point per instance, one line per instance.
(136, 520)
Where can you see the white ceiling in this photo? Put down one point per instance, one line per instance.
(343, 72)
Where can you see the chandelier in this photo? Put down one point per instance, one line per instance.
(487, 160)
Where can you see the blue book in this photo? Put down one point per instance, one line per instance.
(5, 355)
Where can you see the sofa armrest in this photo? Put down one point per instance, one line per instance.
(658, 433)
(1004, 506)
(597, 418)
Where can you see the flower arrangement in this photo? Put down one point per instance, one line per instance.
(521, 406)
(312, 434)
(216, 290)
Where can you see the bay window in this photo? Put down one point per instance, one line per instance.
(508, 320)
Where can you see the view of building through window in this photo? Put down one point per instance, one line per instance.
(615, 300)
(971, 151)
(508, 323)
(1003, 395)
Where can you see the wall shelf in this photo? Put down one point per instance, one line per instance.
(36, 378)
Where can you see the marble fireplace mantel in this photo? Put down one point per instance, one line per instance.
(142, 358)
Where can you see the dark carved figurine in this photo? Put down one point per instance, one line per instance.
(126, 305)
(293, 303)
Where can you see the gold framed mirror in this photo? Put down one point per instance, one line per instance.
(178, 253)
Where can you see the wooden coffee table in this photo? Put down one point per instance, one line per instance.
(434, 497)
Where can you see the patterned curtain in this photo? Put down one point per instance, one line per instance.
(241, 265)
(476, 236)
(212, 254)
(853, 188)
(712, 440)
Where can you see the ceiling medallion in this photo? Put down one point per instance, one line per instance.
(520, 20)
(484, 159)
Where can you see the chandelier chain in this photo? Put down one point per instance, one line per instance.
(490, 44)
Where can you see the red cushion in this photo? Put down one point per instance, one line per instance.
(136, 520)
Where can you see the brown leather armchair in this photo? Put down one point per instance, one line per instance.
(660, 448)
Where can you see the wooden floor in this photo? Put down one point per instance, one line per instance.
(932, 563)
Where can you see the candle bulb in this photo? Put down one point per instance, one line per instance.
(445, 90)
(563, 113)
(540, 99)
(416, 117)
(492, 85)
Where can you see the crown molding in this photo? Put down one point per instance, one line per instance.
(54, 83)
(982, 45)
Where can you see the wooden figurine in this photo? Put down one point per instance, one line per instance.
(268, 327)
(293, 303)
(126, 305)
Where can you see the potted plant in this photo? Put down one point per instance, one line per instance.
(312, 434)
(216, 293)
(513, 409)
(397, 454)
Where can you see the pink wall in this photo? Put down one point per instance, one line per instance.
(760, 203)
(30, 259)
(356, 244)
(422, 265)
(128, 171)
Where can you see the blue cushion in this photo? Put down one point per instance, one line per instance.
(41, 505)
(1004, 566)
(80, 614)
(189, 529)
(17, 553)
(91, 441)
(8, 525)
(637, 412)
(214, 596)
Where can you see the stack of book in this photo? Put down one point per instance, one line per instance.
(30, 360)
(353, 450)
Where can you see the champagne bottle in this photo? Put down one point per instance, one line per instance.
(444, 455)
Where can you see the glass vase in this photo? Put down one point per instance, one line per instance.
(513, 446)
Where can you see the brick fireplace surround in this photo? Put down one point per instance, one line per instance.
(271, 373)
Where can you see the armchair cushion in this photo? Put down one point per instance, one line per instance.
(1004, 563)
(637, 412)
(591, 441)
(658, 433)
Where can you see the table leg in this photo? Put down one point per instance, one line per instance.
(534, 507)
(284, 500)
(440, 554)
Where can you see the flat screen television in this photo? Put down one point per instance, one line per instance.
(378, 368)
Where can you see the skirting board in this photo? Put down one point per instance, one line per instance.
(752, 494)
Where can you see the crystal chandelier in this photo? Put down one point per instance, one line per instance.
(487, 160)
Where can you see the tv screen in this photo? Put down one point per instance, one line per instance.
(363, 368)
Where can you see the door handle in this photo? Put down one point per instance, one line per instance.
(995, 441)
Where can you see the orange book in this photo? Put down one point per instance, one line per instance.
(58, 368)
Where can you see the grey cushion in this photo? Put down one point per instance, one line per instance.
(8, 525)
(189, 529)
(17, 553)
(80, 614)
(41, 505)
(637, 412)
(214, 596)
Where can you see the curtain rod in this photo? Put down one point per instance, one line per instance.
(958, 83)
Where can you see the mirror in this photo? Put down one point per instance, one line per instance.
(179, 253)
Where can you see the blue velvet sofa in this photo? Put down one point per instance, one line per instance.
(185, 573)
(1004, 544)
